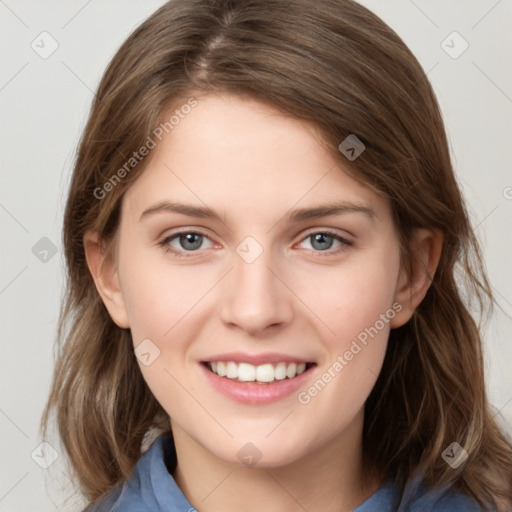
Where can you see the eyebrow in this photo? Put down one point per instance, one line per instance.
(296, 215)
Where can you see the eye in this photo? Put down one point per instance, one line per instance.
(185, 241)
(323, 241)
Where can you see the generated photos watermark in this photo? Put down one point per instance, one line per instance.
(357, 345)
(151, 143)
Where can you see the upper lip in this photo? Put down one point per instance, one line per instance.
(257, 359)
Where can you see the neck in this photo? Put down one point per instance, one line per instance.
(330, 478)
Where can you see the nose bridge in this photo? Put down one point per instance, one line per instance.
(254, 297)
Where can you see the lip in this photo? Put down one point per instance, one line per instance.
(255, 393)
(256, 359)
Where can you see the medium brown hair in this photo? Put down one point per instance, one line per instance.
(336, 64)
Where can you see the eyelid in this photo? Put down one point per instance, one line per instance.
(173, 233)
(345, 241)
(329, 231)
(166, 240)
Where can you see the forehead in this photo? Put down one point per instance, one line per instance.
(242, 156)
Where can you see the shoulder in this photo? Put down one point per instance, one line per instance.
(117, 499)
(449, 501)
(440, 499)
(417, 498)
(150, 488)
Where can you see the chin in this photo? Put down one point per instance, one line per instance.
(258, 452)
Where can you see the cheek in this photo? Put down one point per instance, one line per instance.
(159, 295)
(352, 298)
(356, 303)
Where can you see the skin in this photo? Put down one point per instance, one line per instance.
(252, 165)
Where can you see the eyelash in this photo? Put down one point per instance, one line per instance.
(329, 252)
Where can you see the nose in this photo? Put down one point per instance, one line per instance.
(255, 296)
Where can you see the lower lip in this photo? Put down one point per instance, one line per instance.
(253, 392)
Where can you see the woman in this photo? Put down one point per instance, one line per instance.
(310, 349)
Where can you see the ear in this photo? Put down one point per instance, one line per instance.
(103, 269)
(426, 247)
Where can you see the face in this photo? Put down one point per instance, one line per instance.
(245, 248)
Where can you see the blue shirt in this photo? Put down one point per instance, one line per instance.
(151, 488)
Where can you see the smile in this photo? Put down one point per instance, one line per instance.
(264, 373)
(266, 379)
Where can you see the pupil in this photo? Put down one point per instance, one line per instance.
(321, 238)
(193, 239)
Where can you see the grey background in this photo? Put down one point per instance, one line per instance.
(44, 104)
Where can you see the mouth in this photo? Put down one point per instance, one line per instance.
(266, 373)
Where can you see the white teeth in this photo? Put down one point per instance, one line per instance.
(265, 373)
(246, 372)
(231, 370)
(280, 371)
(221, 369)
(291, 371)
